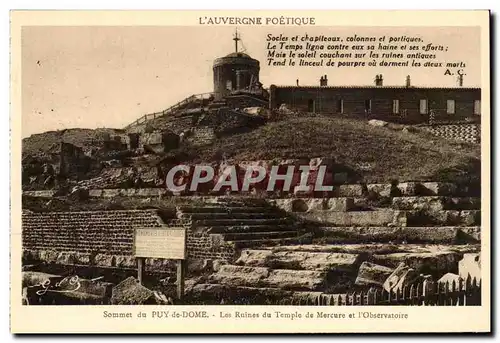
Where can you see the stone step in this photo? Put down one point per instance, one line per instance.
(232, 215)
(387, 217)
(222, 209)
(436, 203)
(301, 260)
(229, 229)
(240, 222)
(356, 218)
(244, 236)
(445, 217)
(378, 248)
(262, 243)
(409, 189)
(310, 280)
(447, 234)
(334, 204)
(434, 263)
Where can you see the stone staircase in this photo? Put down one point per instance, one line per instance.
(244, 223)
(358, 239)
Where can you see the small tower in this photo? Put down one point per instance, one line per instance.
(235, 71)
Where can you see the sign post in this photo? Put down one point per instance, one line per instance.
(140, 269)
(167, 243)
(180, 279)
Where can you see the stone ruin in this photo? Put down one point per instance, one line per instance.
(258, 251)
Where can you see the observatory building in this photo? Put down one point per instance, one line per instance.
(236, 71)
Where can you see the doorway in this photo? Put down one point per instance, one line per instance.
(311, 106)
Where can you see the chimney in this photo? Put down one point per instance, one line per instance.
(325, 80)
(408, 81)
(460, 80)
(379, 80)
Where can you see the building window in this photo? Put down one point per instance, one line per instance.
(477, 107)
(395, 106)
(423, 106)
(340, 106)
(229, 85)
(450, 106)
(368, 105)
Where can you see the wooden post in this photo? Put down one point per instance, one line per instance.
(180, 279)
(140, 269)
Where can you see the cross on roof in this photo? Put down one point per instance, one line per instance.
(236, 39)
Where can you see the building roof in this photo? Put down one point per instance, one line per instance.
(236, 58)
(238, 54)
(376, 87)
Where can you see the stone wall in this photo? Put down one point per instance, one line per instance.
(105, 238)
(202, 245)
(463, 132)
(201, 136)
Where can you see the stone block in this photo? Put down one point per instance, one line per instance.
(239, 275)
(407, 188)
(471, 233)
(371, 274)
(339, 204)
(450, 278)
(380, 189)
(110, 193)
(104, 260)
(36, 278)
(126, 261)
(65, 258)
(49, 256)
(470, 217)
(377, 122)
(401, 277)
(348, 191)
(82, 258)
(437, 263)
(296, 279)
(127, 192)
(301, 260)
(448, 234)
(314, 204)
(355, 218)
(95, 193)
(470, 264)
(30, 255)
(429, 203)
(437, 188)
(131, 292)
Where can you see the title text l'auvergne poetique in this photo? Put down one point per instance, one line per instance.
(281, 20)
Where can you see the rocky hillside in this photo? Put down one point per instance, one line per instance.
(43, 142)
(375, 154)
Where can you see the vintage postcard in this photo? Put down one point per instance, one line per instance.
(250, 171)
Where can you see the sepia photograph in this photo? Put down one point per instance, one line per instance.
(252, 159)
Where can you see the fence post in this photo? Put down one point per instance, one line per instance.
(426, 290)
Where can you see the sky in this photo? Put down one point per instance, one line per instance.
(108, 76)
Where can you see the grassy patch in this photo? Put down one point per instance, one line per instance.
(379, 154)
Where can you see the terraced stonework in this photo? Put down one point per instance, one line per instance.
(259, 251)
